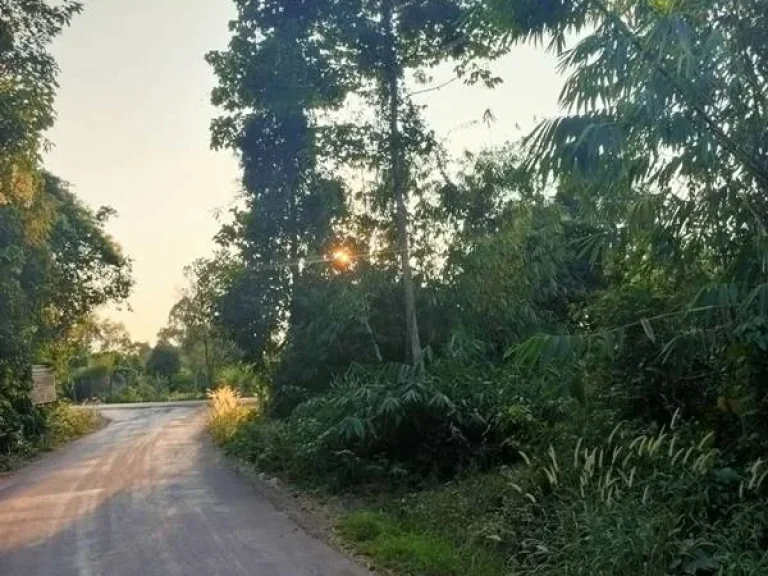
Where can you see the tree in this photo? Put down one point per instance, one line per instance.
(164, 360)
(269, 78)
(27, 89)
(193, 324)
(667, 98)
(27, 85)
(56, 261)
(662, 145)
(291, 65)
(84, 268)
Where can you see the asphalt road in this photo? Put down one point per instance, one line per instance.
(148, 496)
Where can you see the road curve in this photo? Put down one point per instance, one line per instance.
(148, 496)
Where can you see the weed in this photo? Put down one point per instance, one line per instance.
(392, 544)
(226, 413)
(61, 422)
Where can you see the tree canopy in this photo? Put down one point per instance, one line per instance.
(57, 262)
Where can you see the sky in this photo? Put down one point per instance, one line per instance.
(132, 131)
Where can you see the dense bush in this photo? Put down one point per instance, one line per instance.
(660, 503)
(164, 361)
(335, 322)
(21, 424)
(398, 421)
(243, 378)
(26, 431)
(663, 503)
(92, 381)
(65, 422)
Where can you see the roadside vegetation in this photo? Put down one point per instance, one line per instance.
(547, 358)
(57, 263)
(57, 425)
(59, 267)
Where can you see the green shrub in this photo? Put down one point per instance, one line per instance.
(92, 381)
(657, 504)
(182, 382)
(142, 390)
(428, 423)
(66, 422)
(41, 429)
(243, 378)
(399, 423)
(21, 425)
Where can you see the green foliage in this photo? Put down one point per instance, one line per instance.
(632, 505)
(336, 321)
(193, 326)
(92, 381)
(243, 378)
(400, 423)
(66, 422)
(27, 87)
(141, 390)
(393, 546)
(25, 432)
(57, 264)
(164, 360)
(610, 270)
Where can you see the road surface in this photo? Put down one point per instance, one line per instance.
(148, 496)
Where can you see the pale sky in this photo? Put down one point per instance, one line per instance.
(132, 131)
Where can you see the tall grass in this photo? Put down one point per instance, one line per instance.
(226, 413)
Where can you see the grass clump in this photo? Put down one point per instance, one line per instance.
(655, 504)
(665, 503)
(225, 413)
(67, 422)
(391, 543)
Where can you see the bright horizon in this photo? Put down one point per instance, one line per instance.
(132, 131)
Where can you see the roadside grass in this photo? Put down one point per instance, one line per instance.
(63, 423)
(133, 394)
(442, 530)
(394, 543)
(226, 413)
(67, 422)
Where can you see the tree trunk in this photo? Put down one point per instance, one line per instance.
(374, 342)
(208, 363)
(398, 175)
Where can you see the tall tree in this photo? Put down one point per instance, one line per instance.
(193, 324)
(27, 89)
(56, 261)
(272, 75)
(342, 52)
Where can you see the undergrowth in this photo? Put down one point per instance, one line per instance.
(395, 545)
(226, 414)
(658, 502)
(58, 424)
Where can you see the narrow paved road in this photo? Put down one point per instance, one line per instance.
(148, 496)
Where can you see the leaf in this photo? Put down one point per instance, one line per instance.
(577, 389)
(648, 329)
(352, 427)
(668, 348)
